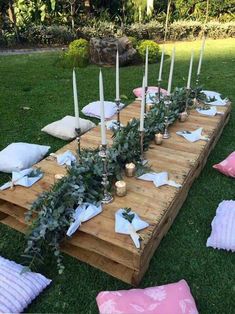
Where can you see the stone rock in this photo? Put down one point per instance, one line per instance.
(103, 51)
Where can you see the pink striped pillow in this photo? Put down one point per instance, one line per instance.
(18, 291)
(151, 89)
(174, 298)
(223, 227)
(227, 166)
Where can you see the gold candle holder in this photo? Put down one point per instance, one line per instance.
(183, 116)
(120, 188)
(149, 107)
(158, 138)
(130, 169)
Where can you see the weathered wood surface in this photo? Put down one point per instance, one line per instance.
(96, 243)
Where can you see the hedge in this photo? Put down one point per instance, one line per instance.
(180, 30)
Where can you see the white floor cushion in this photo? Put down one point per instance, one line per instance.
(18, 290)
(93, 109)
(223, 227)
(65, 128)
(19, 156)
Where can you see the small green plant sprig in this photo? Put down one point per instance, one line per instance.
(127, 214)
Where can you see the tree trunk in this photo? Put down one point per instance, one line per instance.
(72, 12)
(167, 19)
(149, 7)
(12, 17)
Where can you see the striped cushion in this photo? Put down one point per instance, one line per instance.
(18, 290)
(223, 227)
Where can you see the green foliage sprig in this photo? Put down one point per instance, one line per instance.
(54, 209)
(127, 214)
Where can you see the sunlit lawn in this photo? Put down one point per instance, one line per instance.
(35, 81)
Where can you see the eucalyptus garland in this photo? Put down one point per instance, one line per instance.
(54, 209)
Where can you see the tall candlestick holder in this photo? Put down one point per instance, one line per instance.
(107, 198)
(142, 132)
(187, 99)
(145, 98)
(197, 80)
(159, 90)
(167, 103)
(118, 101)
(78, 138)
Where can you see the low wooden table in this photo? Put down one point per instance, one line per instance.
(96, 242)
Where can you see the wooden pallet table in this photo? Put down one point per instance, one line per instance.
(96, 243)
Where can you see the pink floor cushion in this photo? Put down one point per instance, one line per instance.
(18, 290)
(151, 89)
(227, 166)
(173, 298)
(223, 227)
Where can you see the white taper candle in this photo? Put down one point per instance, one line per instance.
(75, 99)
(102, 116)
(171, 71)
(190, 71)
(201, 56)
(117, 77)
(161, 64)
(146, 66)
(142, 105)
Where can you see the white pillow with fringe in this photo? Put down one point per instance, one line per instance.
(65, 128)
(20, 156)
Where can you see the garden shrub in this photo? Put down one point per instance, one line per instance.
(133, 41)
(180, 30)
(152, 47)
(151, 30)
(78, 53)
(154, 30)
(54, 34)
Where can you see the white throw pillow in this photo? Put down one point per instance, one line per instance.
(19, 156)
(223, 227)
(65, 128)
(18, 290)
(93, 109)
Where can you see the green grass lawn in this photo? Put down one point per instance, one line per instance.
(35, 81)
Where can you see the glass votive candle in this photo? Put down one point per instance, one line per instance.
(183, 116)
(130, 169)
(149, 107)
(58, 177)
(158, 138)
(120, 188)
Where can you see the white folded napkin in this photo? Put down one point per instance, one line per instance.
(218, 100)
(193, 136)
(123, 226)
(83, 213)
(159, 179)
(208, 112)
(24, 178)
(67, 158)
(111, 124)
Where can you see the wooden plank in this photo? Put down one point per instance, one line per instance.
(96, 242)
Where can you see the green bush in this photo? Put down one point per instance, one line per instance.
(100, 29)
(133, 41)
(152, 30)
(78, 53)
(180, 30)
(54, 34)
(152, 47)
(61, 35)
